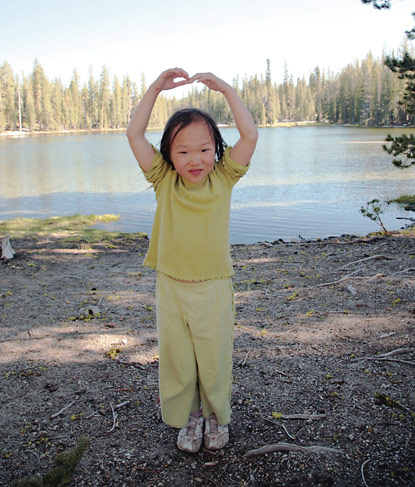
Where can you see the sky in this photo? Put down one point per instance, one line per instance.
(226, 37)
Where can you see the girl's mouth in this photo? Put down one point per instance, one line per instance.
(195, 172)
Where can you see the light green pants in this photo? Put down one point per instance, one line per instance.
(195, 332)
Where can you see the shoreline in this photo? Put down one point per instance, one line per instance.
(87, 228)
(25, 133)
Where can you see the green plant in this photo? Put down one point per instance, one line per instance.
(61, 474)
(373, 211)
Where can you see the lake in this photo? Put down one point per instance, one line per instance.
(305, 180)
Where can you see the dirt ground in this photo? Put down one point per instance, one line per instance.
(315, 320)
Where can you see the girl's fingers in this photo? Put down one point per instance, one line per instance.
(180, 83)
(200, 77)
(177, 72)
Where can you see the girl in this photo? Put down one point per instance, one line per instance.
(193, 175)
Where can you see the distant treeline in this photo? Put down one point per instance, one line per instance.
(365, 93)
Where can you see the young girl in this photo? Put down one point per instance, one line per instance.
(193, 175)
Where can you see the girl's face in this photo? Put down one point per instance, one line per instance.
(193, 152)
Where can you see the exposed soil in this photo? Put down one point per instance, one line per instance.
(300, 348)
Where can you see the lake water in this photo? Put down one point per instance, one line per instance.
(308, 181)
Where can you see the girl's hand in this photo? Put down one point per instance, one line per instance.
(210, 80)
(166, 81)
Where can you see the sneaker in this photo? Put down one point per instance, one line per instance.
(216, 435)
(190, 438)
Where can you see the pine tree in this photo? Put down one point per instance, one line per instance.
(104, 98)
(57, 105)
(29, 111)
(46, 119)
(92, 107)
(37, 78)
(75, 111)
(270, 103)
(8, 96)
(116, 104)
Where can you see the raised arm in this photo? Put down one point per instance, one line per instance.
(141, 147)
(243, 149)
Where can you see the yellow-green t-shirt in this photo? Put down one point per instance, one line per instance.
(190, 235)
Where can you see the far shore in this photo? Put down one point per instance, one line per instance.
(305, 123)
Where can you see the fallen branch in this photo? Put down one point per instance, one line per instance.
(373, 257)
(304, 417)
(376, 276)
(122, 404)
(131, 364)
(281, 373)
(387, 355)
(409, 269)
(288, 434)
(340, 280)
(387, 335)
(114, 419)
(62, 410)
(35, 454)
(362, 472)
(290, 447)
(397, 351)
(242, 364)
(407, 362)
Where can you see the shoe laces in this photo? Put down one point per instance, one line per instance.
(192, 424)
(214, 425)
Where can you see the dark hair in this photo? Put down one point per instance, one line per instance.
(181, 119)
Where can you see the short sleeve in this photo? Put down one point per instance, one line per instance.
(232, 169)
(158, 170)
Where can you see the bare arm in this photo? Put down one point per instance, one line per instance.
(141, 147)
(243, 149)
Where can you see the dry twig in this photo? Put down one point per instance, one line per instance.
(35, 454)
(409, 269)
(305, 417)
(340, 280)
(114, 418)
(62, 410)
(281, 373)
(372, 257)
(362, 471)
(387, 355)
(290, 447)
(242, 364)
(407, 362)
(122, 404)
(288, 434)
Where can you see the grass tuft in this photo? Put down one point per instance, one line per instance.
(70, 228)
(61, 474)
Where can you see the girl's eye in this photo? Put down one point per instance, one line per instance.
(205, 150)
(182, 152)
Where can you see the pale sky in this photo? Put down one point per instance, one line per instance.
(227, 37)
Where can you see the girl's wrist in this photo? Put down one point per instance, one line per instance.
(153, 88)
(227, 89)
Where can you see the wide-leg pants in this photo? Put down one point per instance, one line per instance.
(195, 333)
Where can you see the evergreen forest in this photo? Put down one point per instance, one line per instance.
(365, 93)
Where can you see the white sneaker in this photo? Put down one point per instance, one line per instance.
(190, 438)
(216, 435)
